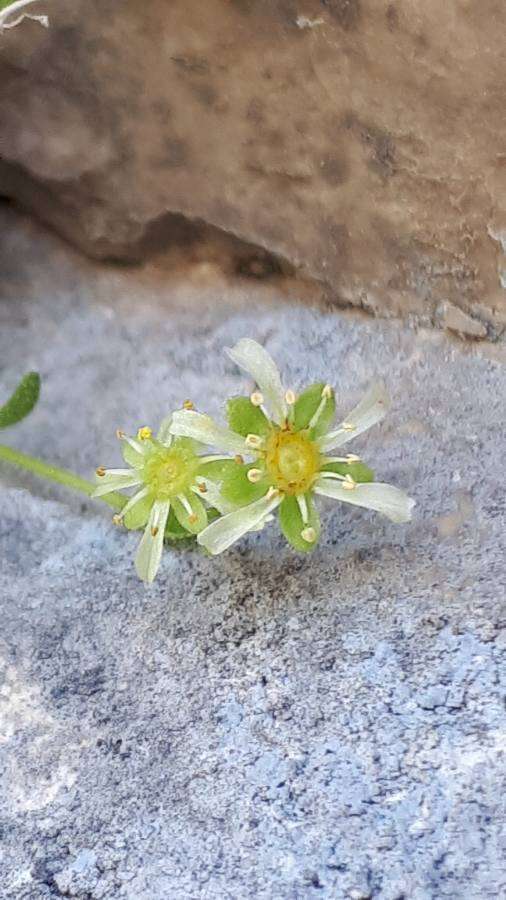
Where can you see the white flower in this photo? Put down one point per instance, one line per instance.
(174, 487)
(288, 440)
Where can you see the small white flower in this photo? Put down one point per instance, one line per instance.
(287, 440)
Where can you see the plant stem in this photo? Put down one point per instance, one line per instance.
(61, 476)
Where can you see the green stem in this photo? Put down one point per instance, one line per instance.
(61, 476)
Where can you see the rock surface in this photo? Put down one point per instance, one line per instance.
(260, 725)
(361, 140)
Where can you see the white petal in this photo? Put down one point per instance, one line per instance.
(371, 409)
(251, 357)
(116, 480)
(212, 496)
(149, 554)
(188, 423)
(164, 435)
(219, 535)
(384, 498)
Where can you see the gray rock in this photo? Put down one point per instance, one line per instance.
(258, 725)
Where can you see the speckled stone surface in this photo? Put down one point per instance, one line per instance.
(260, 725)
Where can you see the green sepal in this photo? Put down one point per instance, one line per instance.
(291, 523)
(22, 401)
(132, 457)
(244, 418)
(237, 489)
(183, 516)
(358, 471)
(216, 470)
(174, 531)
(307, 404)
(186, 445)
(138, 515)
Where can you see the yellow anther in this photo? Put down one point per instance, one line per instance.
(193, 518)
(239, 459)
(327, 392)
(100, 471)
(352, 457)
(257, 398)
(254, 475)
(144, 433)
(117, 519)
(308, 534)
(202, 488)
(348, 483)
(253, 440)
(188, 404)
(154, 531)
(120, 434)
(290, 397)
(348, 426)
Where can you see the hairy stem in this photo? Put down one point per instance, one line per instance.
(61, 476)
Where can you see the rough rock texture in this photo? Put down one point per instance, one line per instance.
(260, 725)
(361, 140)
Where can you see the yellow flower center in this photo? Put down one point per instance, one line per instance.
(292, 461)
(168, 472)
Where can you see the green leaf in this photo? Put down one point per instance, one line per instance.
(358, 470)
(306, 406)
(194, 521)
(292, 524)
(22, 400)
(138, 515)
(244, 418)
(237, 489)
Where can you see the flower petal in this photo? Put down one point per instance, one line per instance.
(384, 498)
(188, 423)
(222, 533)
(164, 434)
(371, 409)
(255, 360)
(149, 554)
(136, 512)
(212, 495)
(116, 480)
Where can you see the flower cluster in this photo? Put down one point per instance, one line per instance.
(277, 455)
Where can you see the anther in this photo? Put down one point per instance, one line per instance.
(154, 531)
(239, 459)
(272, 492)
(193, 518)
(257, 398)
(348, 426)
(352, 457)
(144, 433)
(188, 404)
(100, 471)
(290, 398)
(120, 434)
(327, 392)
(254, 475)
(202, 487)
(348, 483)
(253, 440)
(117, 519)
(308, 534)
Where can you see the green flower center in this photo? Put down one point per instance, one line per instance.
(169, 472)
(292, 461)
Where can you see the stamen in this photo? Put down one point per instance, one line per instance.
(254, 441)
(302, 502)
(117, 519)
(308, 534)
(239, 459)
(290, 397)
(154, 531)
(254, 475)
(348, 426)
(193, 518)
(327, 392)
(100, 471)
(349, 458)
(348, 483)
(120, 434)
(326, 395)
(352, 457)
(144, 433)
(186, 504)
(202, 488)
(257, 398)
(188, 404)
(271, 493)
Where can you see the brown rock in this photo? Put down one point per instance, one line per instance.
(363, 141)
